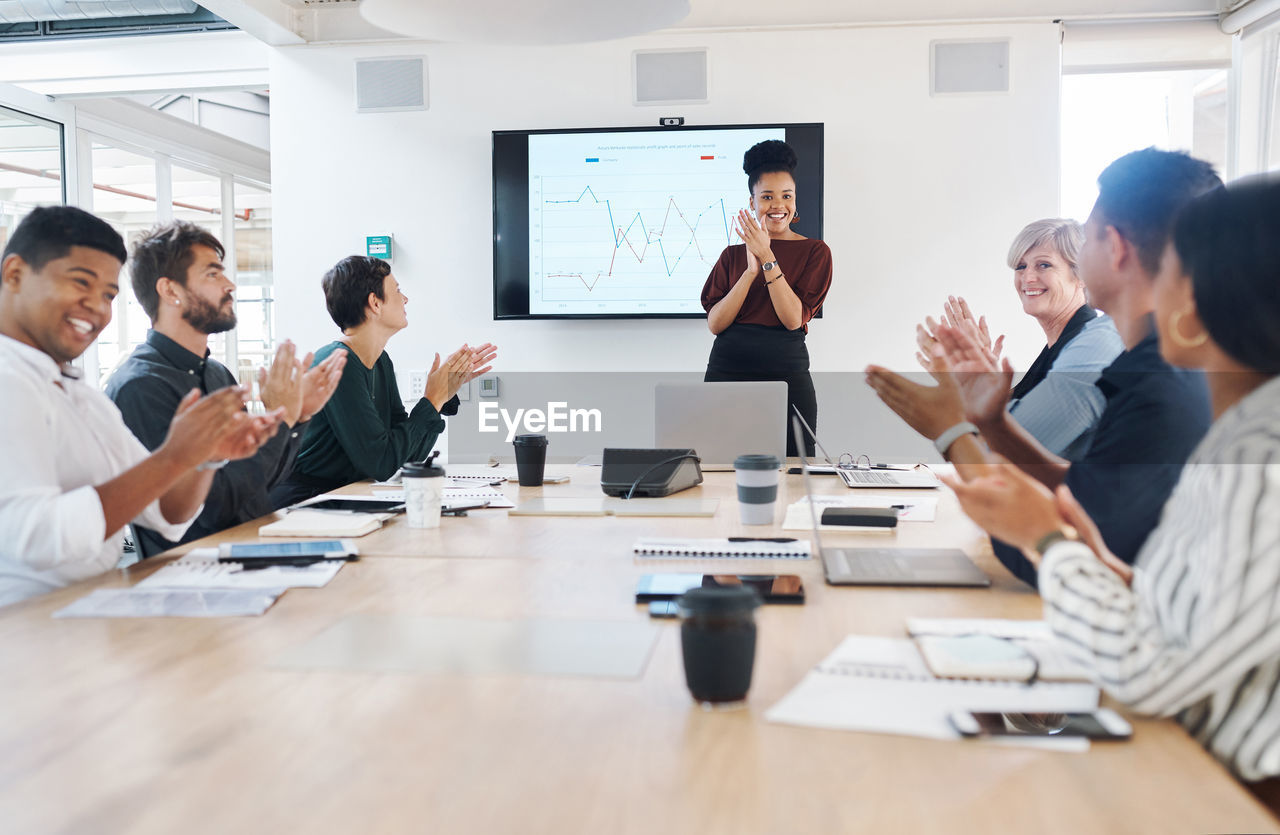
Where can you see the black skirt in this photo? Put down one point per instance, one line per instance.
(759, 353)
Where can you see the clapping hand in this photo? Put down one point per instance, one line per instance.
(280, 384)
(927, 342)
(481, 360)
(1009, 504)
(217, 427)
(445, 378)
(320, 382)
(984, 388)
(957, 314)
(753, 235)
(930, 410)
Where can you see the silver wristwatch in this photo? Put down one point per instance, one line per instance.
(768, 265)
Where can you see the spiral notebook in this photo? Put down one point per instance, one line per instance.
(701, 548)
(881, 685)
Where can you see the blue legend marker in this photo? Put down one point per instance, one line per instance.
(593, 159)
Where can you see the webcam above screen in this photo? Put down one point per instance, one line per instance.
(626, 223)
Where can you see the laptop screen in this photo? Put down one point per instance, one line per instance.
(795, 428)
(808, 487)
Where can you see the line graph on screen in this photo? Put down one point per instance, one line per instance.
(627, 223)
(627, 240)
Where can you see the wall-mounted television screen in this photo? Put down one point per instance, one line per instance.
(627, 222)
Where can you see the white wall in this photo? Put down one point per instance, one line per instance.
(923, 195)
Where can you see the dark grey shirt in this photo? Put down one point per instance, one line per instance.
(147, 388)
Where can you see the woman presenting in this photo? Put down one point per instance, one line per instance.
(762, 293)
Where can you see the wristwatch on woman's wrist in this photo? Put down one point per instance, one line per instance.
(1052, 538)
(768, 265)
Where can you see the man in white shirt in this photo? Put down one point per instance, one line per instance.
(72, 474)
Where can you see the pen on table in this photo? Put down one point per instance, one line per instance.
(762, 539)
(461, 511)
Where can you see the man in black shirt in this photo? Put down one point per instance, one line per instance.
(178, 278)
(1155, 414)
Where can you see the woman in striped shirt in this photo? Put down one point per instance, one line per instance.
(1193, 629)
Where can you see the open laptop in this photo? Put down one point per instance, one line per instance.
(874, 477)
(721, 420)
(889, 566)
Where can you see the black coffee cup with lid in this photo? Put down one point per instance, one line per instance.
(718, 637)
(531, 459)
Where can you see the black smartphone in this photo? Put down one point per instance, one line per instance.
(863, 517)
(357, 505)
(772, 588)
(1098, 724)
(664, 609)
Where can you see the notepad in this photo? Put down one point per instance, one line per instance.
(176, 603)
(200, 569)
(882, 685)
(302, 522)
(983, 648)
(458, 496)
(612, 506)
(700, 548)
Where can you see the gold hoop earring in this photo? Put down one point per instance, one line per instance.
(795, 216)
(1175, 332)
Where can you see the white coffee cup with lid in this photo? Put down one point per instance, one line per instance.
(423, 493)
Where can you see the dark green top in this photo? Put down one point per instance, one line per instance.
(363, 431)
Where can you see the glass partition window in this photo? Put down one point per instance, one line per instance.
(31, 171)
(125, 188)
(255, 311)
(124, 195)
(1273, 153)
(1107, 115)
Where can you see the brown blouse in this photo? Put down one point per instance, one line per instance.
(806, 265)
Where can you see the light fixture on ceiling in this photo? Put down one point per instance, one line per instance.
(523, 21)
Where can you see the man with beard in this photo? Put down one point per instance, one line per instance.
(177, 275)
(72, 475)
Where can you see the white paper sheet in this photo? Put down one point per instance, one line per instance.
(459, 496)
(881, 685)
(180, 603)
(200, 569)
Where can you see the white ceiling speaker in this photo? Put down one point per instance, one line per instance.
(670, 76)
(389, 84)
(969, 67)
(522, 21)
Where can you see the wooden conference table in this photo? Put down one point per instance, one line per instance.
(168, 725)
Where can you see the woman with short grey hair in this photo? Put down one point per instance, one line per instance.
(1057, 400)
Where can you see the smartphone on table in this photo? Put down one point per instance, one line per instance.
(1098, 724)
(772, 588)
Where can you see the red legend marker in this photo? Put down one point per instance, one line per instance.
(711, 157)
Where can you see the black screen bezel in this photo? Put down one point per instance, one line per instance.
(510, 157)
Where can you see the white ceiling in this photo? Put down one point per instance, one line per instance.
(735, 13)
(303, 21)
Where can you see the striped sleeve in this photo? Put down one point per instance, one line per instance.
(1202, 612)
